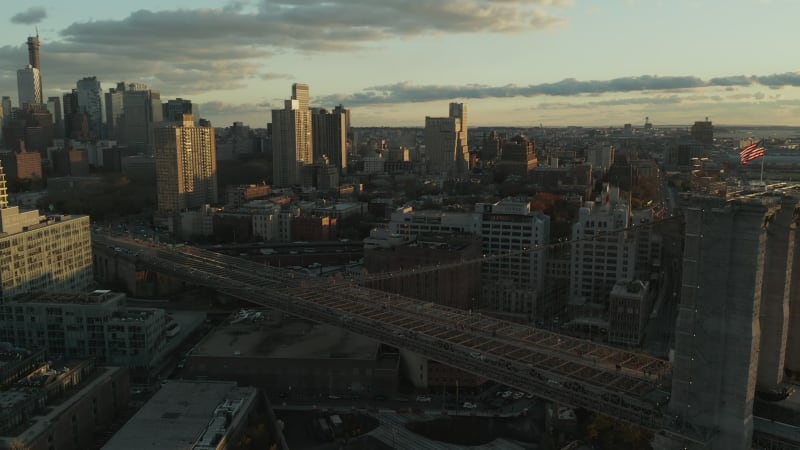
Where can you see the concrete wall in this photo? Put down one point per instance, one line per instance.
(793, 334)
(775, 294)
(91, 412)
(718, 331)
(117, 270)
(305, 376)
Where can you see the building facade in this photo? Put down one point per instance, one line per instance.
(518, 158)
(29, 86)
(186, 166)
(94, 325)
(90, 101)
(114, 109)
(62, 406)
(630, 304)
(39, 253)
(292, 143)
(513, 273)
(446, 144)
(603, 253)
(141, 111)
(329, 131)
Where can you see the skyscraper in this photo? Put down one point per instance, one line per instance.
(114, 110)
(186, 165)
(329, 130)
(141, 111)
(29, 86)
(76, 122)
(35, 62)
(90, 102)
(446, 143)
(6, 109)
(33, 52)
(54, 106)
(173, 109)
(292, 144)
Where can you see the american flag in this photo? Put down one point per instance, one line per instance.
(751, 152)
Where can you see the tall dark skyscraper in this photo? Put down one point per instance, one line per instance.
(175, 109)
(329, 133)
(90, 100)
(114, 110)
(29, 79)
(33, 51)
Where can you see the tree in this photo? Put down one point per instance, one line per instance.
(18, 444)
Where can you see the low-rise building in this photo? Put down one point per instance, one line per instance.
(199, 415)
(62, 405)
(97, 325)
(629, 307)
(293, 357)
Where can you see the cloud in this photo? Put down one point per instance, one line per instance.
(407, 92)
(221, 108)
(30, 16)
(275, 76)
(156, 46)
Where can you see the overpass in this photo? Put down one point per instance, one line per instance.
(629, 386)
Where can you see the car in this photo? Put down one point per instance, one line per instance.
(469, 405)
(518, 395)
(333, 397)
(423, 399)
(507, 394)
(477, 355)
(529, 396)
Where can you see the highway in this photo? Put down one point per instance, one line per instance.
(626, 385)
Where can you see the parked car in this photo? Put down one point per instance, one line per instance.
(423, 399)
(469, 405)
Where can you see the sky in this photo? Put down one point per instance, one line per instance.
(393, 62)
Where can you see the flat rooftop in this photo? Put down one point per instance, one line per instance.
(292, 338)
(177, 415)
(90, 298)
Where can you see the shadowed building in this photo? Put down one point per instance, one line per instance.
(446, 141)
(329, 131)
(175, 108)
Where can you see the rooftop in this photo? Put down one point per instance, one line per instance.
(40, 423)
(181, 415)
(94, 297)
(293, 338)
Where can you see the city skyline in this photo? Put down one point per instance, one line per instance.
(515, 62)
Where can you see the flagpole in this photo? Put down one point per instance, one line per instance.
(762, 169)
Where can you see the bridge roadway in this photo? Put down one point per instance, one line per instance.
(626, 385)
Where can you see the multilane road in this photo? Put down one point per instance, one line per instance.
(626, 385)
